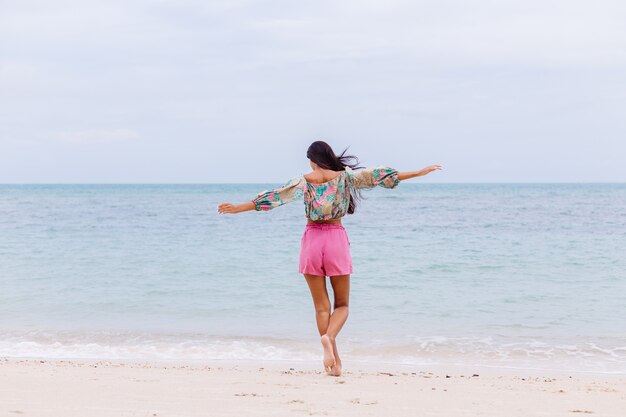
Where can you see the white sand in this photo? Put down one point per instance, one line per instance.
(102, 388)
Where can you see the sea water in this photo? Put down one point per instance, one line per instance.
(515, 275)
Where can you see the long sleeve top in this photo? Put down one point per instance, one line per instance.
(330, 199)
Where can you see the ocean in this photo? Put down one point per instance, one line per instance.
(526, 276)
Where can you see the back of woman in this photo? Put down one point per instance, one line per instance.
(330, 192)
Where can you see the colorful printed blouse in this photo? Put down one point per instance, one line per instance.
(330, 199)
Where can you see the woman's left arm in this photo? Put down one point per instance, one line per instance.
(268, 199)
(412, 174)
(229, 208)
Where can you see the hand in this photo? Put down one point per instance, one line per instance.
(431, 168)
(227, 208)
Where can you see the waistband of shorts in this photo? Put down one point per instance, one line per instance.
(324, 226)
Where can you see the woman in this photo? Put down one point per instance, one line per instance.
(329, 192)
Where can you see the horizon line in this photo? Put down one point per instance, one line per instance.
(270, 182)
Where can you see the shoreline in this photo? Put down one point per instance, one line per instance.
(102, 388)
(310, 365)
(584, 356)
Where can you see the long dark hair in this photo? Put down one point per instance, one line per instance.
(323, 155)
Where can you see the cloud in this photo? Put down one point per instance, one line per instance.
(97, 136)
(259, 79)
(16, 74)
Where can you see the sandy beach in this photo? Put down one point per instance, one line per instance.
(50, 388)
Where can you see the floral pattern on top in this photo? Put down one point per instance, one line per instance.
(330, 199)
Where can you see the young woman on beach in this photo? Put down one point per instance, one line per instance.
(330, 191)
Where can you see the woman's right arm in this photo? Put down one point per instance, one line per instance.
(412, 174)
(383, 176)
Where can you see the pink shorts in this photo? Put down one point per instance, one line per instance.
(325, 250)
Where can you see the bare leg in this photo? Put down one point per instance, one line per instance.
(341, 291)
(317, 286)
(335, 370)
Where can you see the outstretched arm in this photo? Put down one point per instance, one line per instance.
(229, 208)
(420, 173)
(268, 199)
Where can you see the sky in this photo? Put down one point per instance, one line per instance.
(231, 91)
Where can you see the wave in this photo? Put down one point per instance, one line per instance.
(603, 355)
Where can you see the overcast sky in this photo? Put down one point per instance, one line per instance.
(235, 91)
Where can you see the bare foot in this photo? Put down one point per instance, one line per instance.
(329, 356)
(335, 370)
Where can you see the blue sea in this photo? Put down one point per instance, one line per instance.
(506, 275)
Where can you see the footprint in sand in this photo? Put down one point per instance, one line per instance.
(358, 401)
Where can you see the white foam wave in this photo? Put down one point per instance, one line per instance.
(590, 356)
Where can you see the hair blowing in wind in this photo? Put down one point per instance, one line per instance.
(323, 155)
